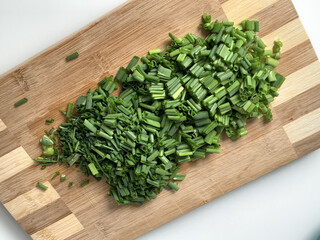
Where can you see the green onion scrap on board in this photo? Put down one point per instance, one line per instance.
(20, 102)
(173, 108)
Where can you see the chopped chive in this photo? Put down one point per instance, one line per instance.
(173, 186)
(173, 108)
(20, 102)
(69, 109)
(63, 178)
(70, 184)
(72, 56)
(55, 175)
(84, 183)
(41, 186)
(179, 177)
(93, 169)
(48, 122)
(155, 51)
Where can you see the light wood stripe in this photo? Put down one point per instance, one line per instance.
(2, 125)
(299, 105)
(304, 126)
(31, 201)
(307, 145)
(14, 162)
(237, 10)
(291, 34)
(299, 82)
(61, 229)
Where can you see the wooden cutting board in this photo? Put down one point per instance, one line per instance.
(105, 45)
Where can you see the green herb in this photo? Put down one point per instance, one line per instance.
(55, 175)
(70, 184)
(41, 186)
(69, 110)
(48, 122)
(84, 183)
(72, 56)
(46, 141)
(173, 108)
(63, 178)
(20, 102)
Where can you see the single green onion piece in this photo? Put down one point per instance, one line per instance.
(69, 109)
(93, 169)
(48, 122)
(63, 178)
(155, 51)
(55, 175)
(173, 186)
(72, 56)
(84, 183)
(20, 102)
(41, 186)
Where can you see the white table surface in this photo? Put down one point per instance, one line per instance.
(284, 204)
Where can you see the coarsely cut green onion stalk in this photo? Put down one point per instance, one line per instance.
(173, 108)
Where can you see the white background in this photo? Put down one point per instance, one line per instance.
(284, 204)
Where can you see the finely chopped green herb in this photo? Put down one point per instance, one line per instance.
(20, 102)
(41, 186)
(173, 108)
(72, 56)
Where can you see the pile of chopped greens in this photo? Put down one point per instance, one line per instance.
(173, 108)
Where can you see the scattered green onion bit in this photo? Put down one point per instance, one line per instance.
(173, 108)
(41, 186)
(84, 183)
(20, 102)
(48, 122)
(55, 175)
(63, 178)
(72, 56)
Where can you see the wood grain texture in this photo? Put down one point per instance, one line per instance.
(296, 83)
(45, 216)
(13, 163)
(61, 229)
(304, 126)
(238, 10)
(299, 105)
(292, 34)
(275, 16)
(31, 201)
(2, 125)
(105, 45)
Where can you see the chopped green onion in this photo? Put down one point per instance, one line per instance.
(55, 175)
(173, 108)
(72, 56)
(63, 178)
(41, 186)
(84, 183)
(20, 102)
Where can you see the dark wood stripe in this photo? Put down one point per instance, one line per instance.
(296, 58)
(299, 105)
(307, 145)
(45, 216)
(223, 1)
(7, 142)
(275, 16)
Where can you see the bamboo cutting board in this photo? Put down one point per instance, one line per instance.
(105, 45)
